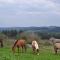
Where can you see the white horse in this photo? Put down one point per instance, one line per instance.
(35, 47)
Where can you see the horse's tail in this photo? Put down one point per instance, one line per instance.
(14, 46)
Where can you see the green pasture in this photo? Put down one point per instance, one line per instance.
(46, 53)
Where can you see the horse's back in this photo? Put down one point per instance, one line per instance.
(54, 40)
(35, 44)
(21, 42)
(57, 45)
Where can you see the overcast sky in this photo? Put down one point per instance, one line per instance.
(22, 13)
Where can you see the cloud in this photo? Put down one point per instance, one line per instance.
(29, 11)
(56, 1)
(31, 6)
(34, 3)
(6, 1)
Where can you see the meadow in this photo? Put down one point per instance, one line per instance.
(46, 53)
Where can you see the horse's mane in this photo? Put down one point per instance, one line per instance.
(15, 42)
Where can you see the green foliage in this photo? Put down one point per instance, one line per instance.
(10, 33)
(46, 43)
(47, 35)
(17, 37)
(2, 36)
(42, 34)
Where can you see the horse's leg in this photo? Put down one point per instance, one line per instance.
(22, 49)
(18, 48)
(37, 51)
(25, 48)
(55, 49)
(33, 50)
(1, 44)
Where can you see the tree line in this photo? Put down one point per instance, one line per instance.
(43, 35)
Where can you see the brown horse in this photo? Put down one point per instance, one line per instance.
(19, 43)
(35, 47)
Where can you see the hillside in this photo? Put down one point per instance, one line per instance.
(41, 29)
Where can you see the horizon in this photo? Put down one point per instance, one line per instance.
(27, 26)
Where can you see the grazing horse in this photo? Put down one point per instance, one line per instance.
(19, 43)
(56, 47)
(35, 47)
(56, 44)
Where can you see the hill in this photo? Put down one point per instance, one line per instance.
(41, 29)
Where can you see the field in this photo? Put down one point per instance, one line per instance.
(46, 53)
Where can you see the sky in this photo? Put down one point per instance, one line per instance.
(25, 13)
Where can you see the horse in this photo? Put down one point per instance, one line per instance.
(56, 47)
(56, 44)
(54, 40)
(19, 43)
(35, 47)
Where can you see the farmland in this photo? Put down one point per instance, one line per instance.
(46, 53)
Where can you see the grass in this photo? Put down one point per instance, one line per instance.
(46, 53)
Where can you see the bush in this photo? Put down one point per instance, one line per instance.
(46, 43)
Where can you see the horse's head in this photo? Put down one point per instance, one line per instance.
(52, 39)
(13, 49)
